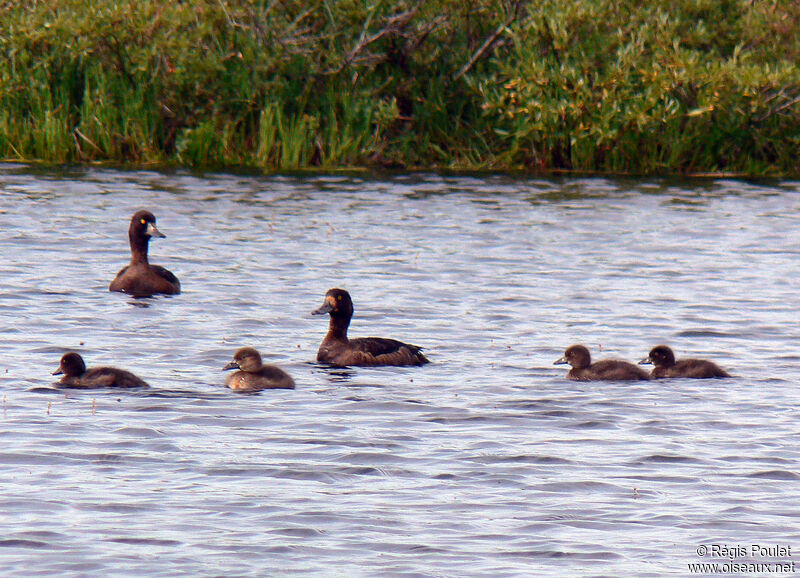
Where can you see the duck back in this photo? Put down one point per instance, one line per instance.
(268, 377)
(97, 377)
(692, 368)
(609, 370)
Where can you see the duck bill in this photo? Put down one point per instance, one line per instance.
(326, 308)
(560, 361)
(231, 365)
(646, 361)
(58, 371)
(153, 232)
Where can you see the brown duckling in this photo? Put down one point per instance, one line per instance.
(336, 349)
(253, 375)
(77, 376)
(605, 370)
(665, 365)
(140, 278)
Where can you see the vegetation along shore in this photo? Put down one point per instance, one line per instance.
(662, 87)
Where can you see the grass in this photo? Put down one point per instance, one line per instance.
(667, 87)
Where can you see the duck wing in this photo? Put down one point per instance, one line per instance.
(614, 369)
(278, 378)
(111, 377)
(166, 274)
(383, 351)
(697, 368)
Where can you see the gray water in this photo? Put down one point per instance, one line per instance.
(486, 462)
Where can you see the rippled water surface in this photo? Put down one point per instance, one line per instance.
(486, 462)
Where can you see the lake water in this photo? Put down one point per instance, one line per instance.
(486, 462)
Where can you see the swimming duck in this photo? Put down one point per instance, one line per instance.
(336, 349)
(606, 370)
(253, 375)
(665, 365)
(77, 376)
(140, 278)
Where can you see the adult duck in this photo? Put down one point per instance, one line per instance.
(338, 350)
(140, 278)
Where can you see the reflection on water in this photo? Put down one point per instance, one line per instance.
(485, 462)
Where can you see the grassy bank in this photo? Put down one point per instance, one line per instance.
(670, 86)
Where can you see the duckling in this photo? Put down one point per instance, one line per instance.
(583, 369)
(665, 365)
(253, 375)
(77, 376)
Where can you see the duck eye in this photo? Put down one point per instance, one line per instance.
(143, 221)
(338, 297)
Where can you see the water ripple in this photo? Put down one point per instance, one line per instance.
(487, 462)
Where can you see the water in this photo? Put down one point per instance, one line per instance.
(486, 462)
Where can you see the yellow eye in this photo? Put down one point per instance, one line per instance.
(143, 222)
(338, 297)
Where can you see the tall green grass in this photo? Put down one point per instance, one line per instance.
(671, 86)
(680, 86)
